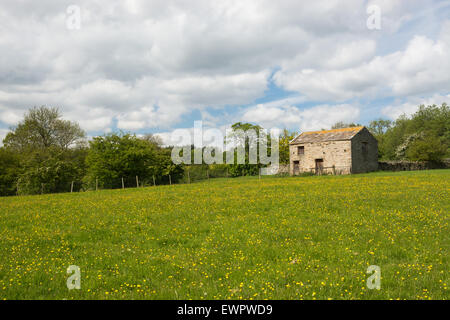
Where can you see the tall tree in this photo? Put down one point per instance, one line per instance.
(116, 156)
(236, 138)
(285, 138)
(379, 128)
(49, 152)
(43, 128)
(425, 135)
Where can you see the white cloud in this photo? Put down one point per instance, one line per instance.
(411, 106)
(422, 68)
(139, 64)
(3, 133)
(10, 117)
(314, 118)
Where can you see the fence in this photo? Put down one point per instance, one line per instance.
(191, 174)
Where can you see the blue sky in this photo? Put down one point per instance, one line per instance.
(155, 66)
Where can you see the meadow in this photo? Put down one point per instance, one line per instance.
(241, 238)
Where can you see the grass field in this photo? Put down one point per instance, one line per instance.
(243, 238)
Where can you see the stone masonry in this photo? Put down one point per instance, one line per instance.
(339, 151)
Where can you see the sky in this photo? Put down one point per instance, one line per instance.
(156, 66)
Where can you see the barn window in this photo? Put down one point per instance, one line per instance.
(301, 150)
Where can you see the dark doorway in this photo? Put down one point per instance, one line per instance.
(296, 167)
(319, 166)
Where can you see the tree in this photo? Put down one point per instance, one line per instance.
(51, 171)
(379, 127)
(49, 151)
(246, 142)
(407, 137)
(153, 139)
(9, 171)
(42, 128)
(116, 156)
(340, 125)
(285, 138)
(427, 147)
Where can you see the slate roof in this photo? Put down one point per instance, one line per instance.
(326, 135)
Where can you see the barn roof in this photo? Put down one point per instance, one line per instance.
(327, 135)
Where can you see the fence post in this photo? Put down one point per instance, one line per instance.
(154, 182)
(137, 182)
(123, 184)
(189, 178)
(227, 171)
(71, 188)
(170, 180)
(259, 173)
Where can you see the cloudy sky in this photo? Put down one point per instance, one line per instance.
(154, 66)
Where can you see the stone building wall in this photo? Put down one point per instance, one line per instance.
(335, 154)
(283, 169)
(364, 161)
(403, 165)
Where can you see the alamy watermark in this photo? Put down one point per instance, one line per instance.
(74, 281)
(374, 20)
(262, 146)
(374, 281)
(73, 17)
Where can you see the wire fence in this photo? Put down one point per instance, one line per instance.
(190, 174)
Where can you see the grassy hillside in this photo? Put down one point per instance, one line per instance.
(274, 238)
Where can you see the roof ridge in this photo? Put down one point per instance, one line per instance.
(358, 128)
(327, 135)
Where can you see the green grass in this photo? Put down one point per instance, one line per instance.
(243, 238)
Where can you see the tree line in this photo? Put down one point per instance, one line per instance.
(46, 154)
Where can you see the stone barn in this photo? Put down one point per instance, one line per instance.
(338, 151)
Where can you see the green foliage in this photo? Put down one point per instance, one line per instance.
(116, 156)
(423, 136)
(340, 125)
(285, 138)
(42, 128)
(51, 171)
(49, 153)
(378, 128)
(9, 169)
(244, 169)
(427, 147)
(199, 172)
(45, 153)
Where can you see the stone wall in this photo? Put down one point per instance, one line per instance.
(283, 169)
(364, 161)
(413, 165)
(336, 157)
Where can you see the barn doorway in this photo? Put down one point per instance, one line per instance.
(319, 166)
(296, 167)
